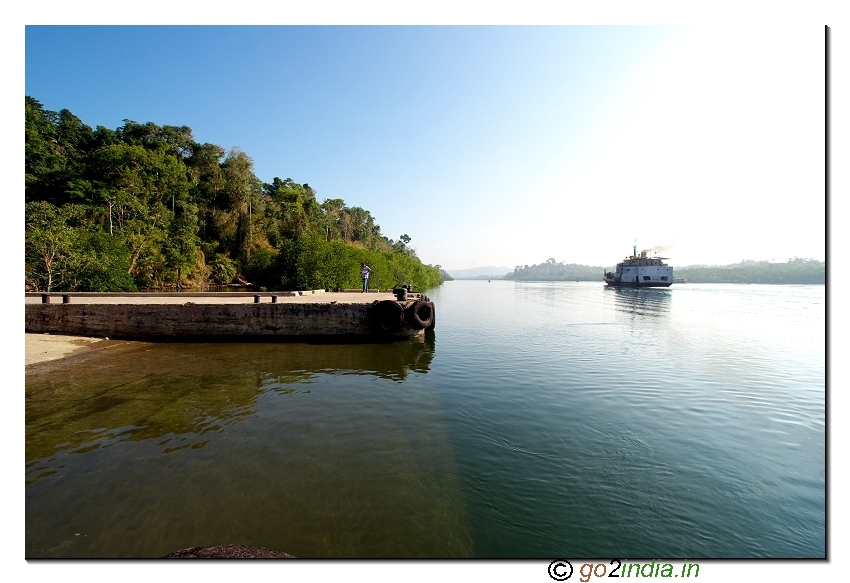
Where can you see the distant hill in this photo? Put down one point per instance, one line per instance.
(552, 270)
(794, 271)
(488, 272)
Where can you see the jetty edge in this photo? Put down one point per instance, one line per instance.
(233, 316)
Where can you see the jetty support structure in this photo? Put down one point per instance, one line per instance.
(235, 316)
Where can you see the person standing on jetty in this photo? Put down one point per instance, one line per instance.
(364, 273)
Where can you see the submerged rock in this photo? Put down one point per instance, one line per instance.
(227, 552)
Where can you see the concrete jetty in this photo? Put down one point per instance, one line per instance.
(329, 316)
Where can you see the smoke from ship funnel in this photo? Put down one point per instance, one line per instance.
(664, 248)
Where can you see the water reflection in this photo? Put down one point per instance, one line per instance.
(557, 416)
(641, 301)
(178, 393)
(319, 450)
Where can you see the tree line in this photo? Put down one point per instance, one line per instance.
(795, 271)
(552, 270)
(146, 206)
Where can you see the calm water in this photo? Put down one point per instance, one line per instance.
(539, 420)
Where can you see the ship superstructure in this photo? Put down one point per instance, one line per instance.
(640, 270)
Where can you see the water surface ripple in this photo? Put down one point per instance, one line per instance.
(538, 420)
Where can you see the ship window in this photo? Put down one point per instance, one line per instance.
(663, 278)
(646, 278)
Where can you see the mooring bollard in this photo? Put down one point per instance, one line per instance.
(66, 299)
(274, 299)
(256, 299)
(45, 298)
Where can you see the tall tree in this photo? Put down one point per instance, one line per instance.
(243, 191)
(49, 243)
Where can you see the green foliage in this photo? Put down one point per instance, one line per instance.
(794, 271)
(223, 269)
(325, 264)
(101, 265)
(51, 239)
(142, 205)
(554, 271)
(65, 253)
(390, 269)
(313, 263)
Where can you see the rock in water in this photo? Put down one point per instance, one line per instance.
(228, 552)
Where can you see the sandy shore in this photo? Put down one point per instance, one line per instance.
(44, 347)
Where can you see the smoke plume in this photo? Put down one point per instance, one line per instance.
(658, 249)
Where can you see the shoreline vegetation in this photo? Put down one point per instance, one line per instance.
(794, 271)
(147, 207)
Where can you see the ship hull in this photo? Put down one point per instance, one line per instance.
(640, 271)
(639, 284)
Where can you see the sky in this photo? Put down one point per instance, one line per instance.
(492, 145)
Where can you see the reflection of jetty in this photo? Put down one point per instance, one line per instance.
(203, 381)
(211, 316)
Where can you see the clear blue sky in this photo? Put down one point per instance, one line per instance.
(491, 145)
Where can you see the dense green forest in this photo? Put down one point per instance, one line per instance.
(794, 271)
(146, 206)
(554, 271)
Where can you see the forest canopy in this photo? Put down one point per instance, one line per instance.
(146, 206)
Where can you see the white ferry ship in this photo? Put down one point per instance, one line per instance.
(640, 271)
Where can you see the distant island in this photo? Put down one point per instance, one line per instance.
(794, 271)
(552, 270)
(486, 272)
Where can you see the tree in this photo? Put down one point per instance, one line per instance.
(294, 209)
(242, 190)
(223, 269)
(41, 153)
(181, 246)
(136, 183)
(206, 177)
(332, 209)
(144, 204)
(49, 243)
(56, 148)
(100, 263)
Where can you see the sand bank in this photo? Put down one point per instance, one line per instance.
(44, 347)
